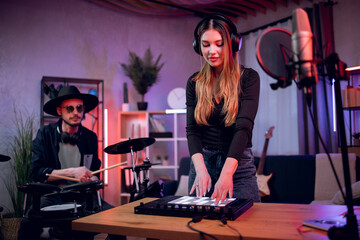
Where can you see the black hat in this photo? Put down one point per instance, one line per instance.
(70, 92)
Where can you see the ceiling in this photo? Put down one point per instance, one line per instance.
(176, 8)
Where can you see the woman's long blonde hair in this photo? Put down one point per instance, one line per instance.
(229, 87)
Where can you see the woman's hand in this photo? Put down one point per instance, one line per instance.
(202, 183)
(224, 185)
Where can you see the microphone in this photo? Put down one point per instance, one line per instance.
(302, 47)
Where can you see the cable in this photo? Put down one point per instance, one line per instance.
(202, 234)
(223, 220)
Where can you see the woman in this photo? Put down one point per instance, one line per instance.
(222, 101)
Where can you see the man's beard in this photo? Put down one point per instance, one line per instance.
(70, 124)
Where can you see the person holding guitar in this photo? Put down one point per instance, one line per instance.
(222, 101)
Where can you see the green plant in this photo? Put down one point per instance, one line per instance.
(51, 91)
(142, 71)
(20, 152)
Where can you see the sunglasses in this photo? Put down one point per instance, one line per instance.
(70, 109)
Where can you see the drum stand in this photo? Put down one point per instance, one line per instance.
(136, 172)
(143, 189)
(138, 190)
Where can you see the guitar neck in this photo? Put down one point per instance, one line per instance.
(260, 169)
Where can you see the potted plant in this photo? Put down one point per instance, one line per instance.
(158, 159)
(20, 164)
(125, 106)
(143, 72)
(165, 161)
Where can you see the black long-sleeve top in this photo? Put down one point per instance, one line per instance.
(231, 140)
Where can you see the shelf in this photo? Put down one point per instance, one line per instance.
(67, 80)
(170, 139)
(164, 167)
(351, 114)
(352, 108)
(183, 139)
(139, 124)
(352, 149)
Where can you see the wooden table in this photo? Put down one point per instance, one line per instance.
(261, 221)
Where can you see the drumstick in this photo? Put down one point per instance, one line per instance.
(78, 180)
(115, 165)
(63, 177)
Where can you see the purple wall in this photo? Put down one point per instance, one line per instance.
(79, 39)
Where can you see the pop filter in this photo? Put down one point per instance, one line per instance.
(273, 52)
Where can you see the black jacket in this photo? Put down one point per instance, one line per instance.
(45, 149)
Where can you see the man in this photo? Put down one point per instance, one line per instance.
(66, 148)
(63, 149)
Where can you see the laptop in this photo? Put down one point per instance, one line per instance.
(327, 222)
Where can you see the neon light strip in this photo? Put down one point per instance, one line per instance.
(352, 68)
(169, 111)
(105, 145)
(333, 104)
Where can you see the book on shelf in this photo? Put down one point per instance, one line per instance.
(158, 129)
(351, 97)
(127, 178)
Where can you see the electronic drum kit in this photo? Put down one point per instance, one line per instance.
(85, 190)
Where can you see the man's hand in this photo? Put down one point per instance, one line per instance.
(81, 173)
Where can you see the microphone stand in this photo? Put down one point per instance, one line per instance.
(350, 230)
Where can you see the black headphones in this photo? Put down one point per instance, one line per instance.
(66, 138)
(236, 39)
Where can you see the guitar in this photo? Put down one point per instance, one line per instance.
(263, 180)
